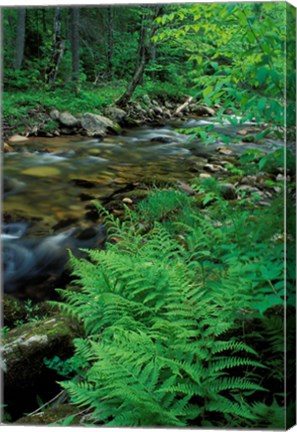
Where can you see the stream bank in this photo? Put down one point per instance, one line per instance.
(71, 171)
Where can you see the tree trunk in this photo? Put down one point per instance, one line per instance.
(109, 42)
(20, 38)
(75, 43)
(144, 51)
(58, 48)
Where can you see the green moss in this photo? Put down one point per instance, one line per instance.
(51, 415)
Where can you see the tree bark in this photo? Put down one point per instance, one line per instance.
(20, 38)
(144, 51)
(58, 48)
(75, 12)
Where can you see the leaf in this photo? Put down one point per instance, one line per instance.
(262, 104)
(261, 75)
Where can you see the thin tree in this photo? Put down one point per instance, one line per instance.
(147, 31)
(58, 47)
(109, 42)
(75, 13)
(20, 38)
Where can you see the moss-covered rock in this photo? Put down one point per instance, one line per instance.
(24, 348)
(52, 416)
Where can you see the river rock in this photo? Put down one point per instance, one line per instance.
(146, 100)
(7, 148)
(158, 110)
(249, 180)
(164, 140)
(17, 138)
(224, 150)
(24, 348)
(42, 171)
(116, 114)
(204, 175)
(227, 191)
(68, 119)
(248, 189)
(97, 125)
(213, 168)
(54, 114)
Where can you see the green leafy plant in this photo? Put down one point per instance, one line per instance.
(164, 313)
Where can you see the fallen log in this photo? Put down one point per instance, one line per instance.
(183, 106)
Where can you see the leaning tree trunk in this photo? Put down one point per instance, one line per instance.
(20, 38)
(75, 44)
(144, 50)
(58, 48)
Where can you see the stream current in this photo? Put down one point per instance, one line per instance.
(49, 184)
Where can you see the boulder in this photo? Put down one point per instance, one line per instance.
(54, 114)
(17, 138)
(115, 114)
(24, 348)
(97, 125)
(68, 119)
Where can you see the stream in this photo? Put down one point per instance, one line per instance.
(49, 184)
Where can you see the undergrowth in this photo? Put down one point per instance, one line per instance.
(183, 317)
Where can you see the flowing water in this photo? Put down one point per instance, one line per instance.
(50, 182)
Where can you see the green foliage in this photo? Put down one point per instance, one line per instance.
(167, 315)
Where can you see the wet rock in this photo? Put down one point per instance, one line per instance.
(68, 119)
(227, 191)
(66, 131)
(54, 114)
(164, 140)
(96, 125)
(213, 168)
(83, 183)
(247, 131)
(116, 114)
(17, 139)
(7, 148)
(224, 150)
(42, 171)
(24, 348)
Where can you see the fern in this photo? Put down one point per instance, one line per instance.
(165, 312)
